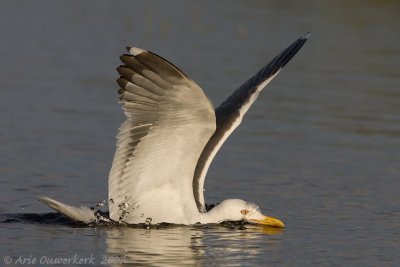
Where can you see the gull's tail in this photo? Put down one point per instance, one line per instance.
(79, 214)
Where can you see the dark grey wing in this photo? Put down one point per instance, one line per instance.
(230, 114)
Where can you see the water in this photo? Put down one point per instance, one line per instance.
(320, 149)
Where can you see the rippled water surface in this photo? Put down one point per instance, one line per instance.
(320, 149)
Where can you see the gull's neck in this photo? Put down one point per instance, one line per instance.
(215, 215)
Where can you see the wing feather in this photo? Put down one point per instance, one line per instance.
(169, 121)
(230, 113)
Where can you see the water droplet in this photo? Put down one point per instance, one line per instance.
(123, 206)
(111, 201)
(141, 215)
(123, 215)
(148, 220)
(101, 203)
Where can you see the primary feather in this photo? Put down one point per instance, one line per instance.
(169, 121)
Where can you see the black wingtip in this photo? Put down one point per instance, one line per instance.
(273, 67)
(286, 55)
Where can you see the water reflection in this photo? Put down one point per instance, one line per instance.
(161, 246)
(187, 246)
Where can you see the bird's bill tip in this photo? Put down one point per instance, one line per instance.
(269, 221)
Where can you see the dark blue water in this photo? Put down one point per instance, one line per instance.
(320, 149)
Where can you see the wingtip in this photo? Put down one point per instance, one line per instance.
(307, 35)
(135, 50)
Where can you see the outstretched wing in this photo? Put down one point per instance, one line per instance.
(230, 114)
(169, 122)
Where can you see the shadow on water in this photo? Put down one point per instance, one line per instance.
(52, 218)
(190, 244)
(162, 243)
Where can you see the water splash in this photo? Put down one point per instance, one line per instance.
(123, 211)
(101, 204)
(148, 222)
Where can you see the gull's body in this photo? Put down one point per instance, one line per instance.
(168, 141)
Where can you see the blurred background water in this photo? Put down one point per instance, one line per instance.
(320, 149)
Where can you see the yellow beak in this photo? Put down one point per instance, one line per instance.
(269, 221)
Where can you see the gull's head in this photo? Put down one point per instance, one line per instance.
(237, 209)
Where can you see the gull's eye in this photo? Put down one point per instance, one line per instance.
(244, 212)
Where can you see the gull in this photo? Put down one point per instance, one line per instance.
(167, 142)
